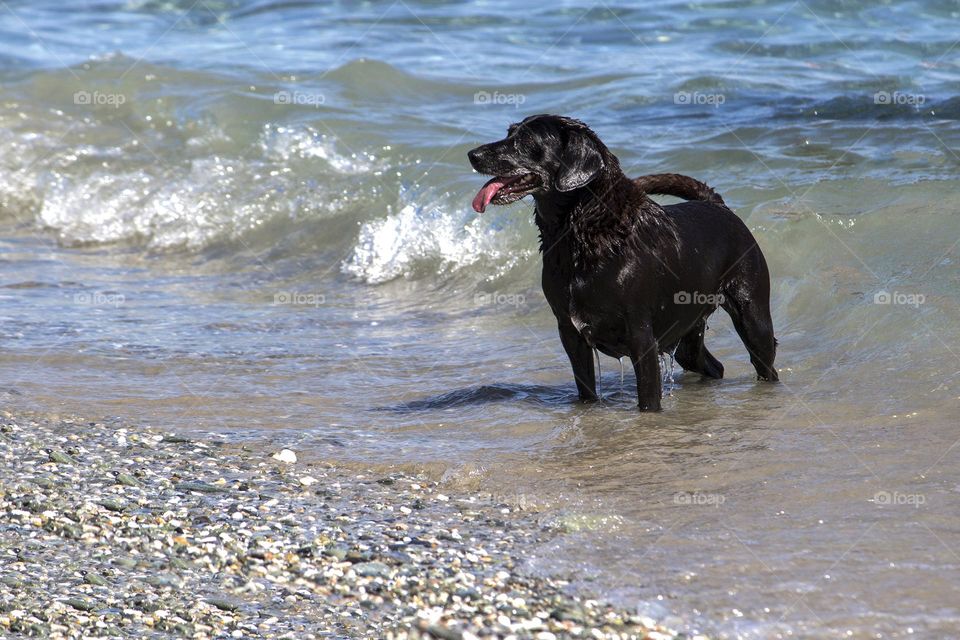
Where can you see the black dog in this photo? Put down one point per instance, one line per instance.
(621, 273)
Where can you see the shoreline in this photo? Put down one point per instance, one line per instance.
(111, 530)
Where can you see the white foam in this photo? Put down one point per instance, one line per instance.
(189, 204)
(141, 206)
(425, 231)
(282, 143)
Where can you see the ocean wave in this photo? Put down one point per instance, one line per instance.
(194, 160)
(197, 201)
(425, 235)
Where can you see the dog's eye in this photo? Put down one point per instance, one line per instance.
(529, 148)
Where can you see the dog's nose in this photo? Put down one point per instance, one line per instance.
(475, 156)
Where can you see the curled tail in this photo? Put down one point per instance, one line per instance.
(674, 184)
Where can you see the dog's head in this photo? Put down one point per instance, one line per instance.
(543, 154)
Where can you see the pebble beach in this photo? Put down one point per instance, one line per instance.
(112, 531)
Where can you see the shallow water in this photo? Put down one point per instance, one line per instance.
(254, 218)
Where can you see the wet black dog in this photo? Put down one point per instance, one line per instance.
(621, 273)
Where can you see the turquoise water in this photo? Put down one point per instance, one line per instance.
(254, 219)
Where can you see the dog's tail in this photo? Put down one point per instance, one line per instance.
(674, 184)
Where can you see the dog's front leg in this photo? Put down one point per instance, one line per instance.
(645, 355)
(581, 358)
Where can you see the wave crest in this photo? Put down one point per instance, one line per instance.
(424, 236)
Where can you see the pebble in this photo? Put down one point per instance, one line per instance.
(285, 455)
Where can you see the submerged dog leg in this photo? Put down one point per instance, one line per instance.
(753, 325)
(581, 359)
(646, 364)
(747, 302)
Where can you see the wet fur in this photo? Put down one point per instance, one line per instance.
(614, 260)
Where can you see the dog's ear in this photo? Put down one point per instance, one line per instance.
(580, 162)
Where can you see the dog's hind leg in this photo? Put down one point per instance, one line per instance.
(747, 300)
(692, 355)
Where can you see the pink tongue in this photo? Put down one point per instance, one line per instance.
(486, 193)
